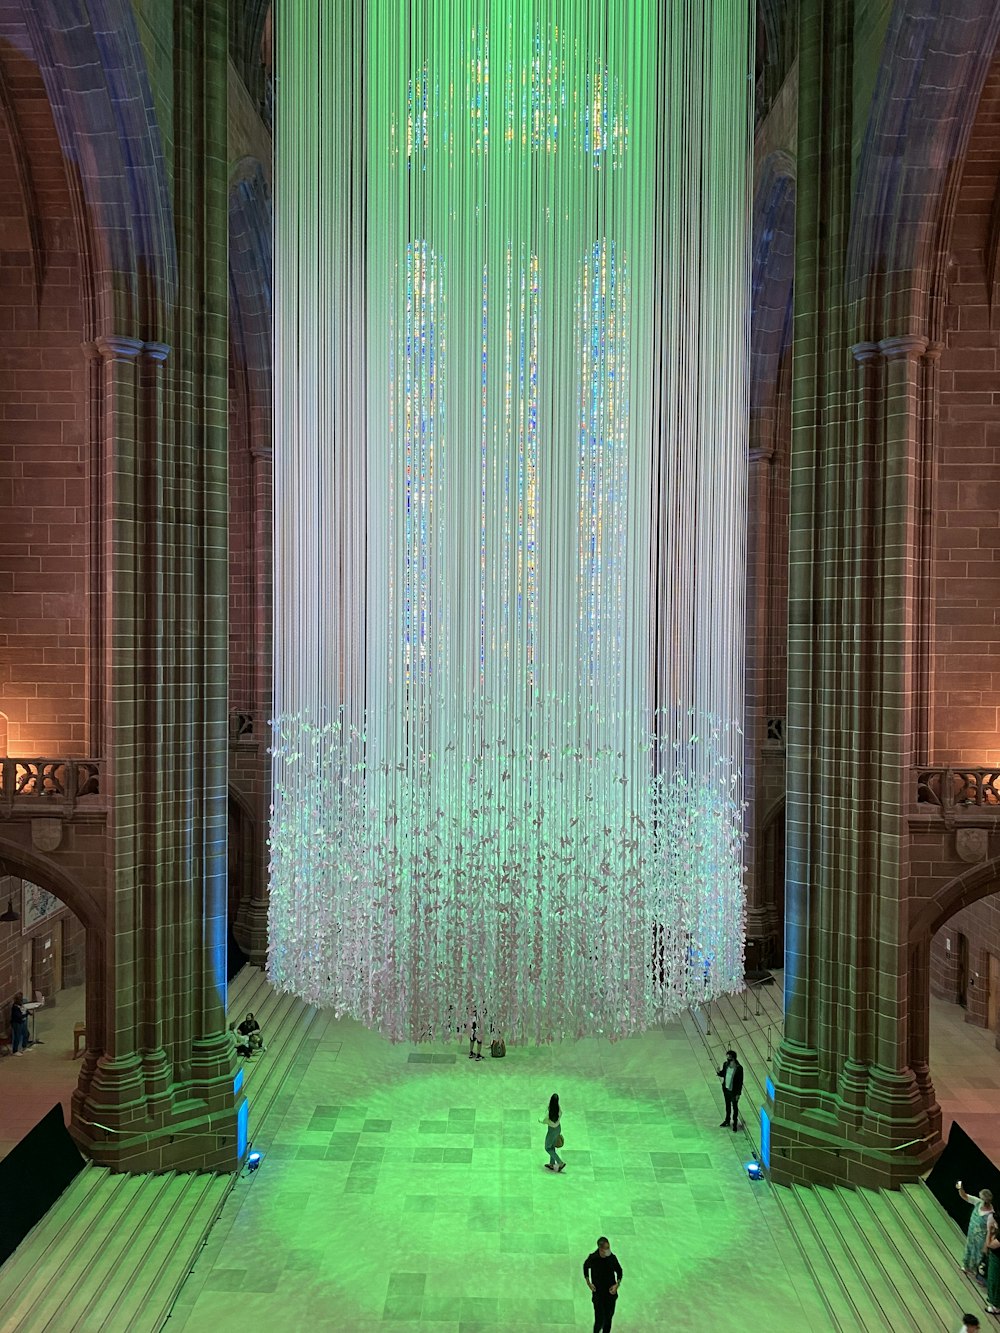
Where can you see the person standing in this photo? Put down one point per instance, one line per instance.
(992, 1248)
(603, 1275)
(975, 1238)
(970, 1324)
(475, 1037)
(731, 1074)
(18, 1025)
(553, 1134)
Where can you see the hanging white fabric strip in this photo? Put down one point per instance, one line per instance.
(510, 461)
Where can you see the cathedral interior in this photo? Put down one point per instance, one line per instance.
(138, 351)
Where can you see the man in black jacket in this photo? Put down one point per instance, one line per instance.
(603, 1275)
(731, 1074)
(18, 1025)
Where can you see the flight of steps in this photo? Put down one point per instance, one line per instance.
(113, 1251)
(284, 1023)
(877, 1259)
(881, 1259)
(107, 1254)
(751, 1024)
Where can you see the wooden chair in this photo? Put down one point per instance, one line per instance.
(79, 1039)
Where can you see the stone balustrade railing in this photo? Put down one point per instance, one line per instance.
(43, 786)
(941, 790)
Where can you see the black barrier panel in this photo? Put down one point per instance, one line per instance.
(962, 1160)
(32, 1176)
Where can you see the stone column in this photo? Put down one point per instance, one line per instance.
(847, 1106)
(254, 919)
(110, 1092)
(758, 919)
(158, 1091)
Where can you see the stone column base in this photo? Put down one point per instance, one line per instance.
(823, 1145)
(197, 1125)
(192, 1138)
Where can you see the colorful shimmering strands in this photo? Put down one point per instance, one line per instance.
(509, 488)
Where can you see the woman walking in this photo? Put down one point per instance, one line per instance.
(553, 1135)
(975, 1239)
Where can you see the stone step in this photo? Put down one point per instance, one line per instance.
(849, 1311)
(916, 1282)
(270, 1069)
(249, 983)
(929, 1263)
(837, 1243)
(161, 1293)
(44, 1249)
(114, 1250)
(108, 1275)
(181, 1214)
(943, 1236)
(70, 1288)
(883, 1280)
(934, 1217)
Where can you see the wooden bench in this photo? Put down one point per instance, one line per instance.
(79, 1039)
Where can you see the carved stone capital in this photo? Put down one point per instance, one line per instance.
(156, 352)
(865, 353)
(933, 352)
(904, 346)
(115, 347)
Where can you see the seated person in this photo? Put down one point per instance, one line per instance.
(237, 1044)
(249, 1030)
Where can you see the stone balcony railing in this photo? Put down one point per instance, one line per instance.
(954, 791)
(49, 786)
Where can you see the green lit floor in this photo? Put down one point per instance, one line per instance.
(413, 1195)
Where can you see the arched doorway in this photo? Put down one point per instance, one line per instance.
(766, 916)
(955, 990)
(242, 869)
(43, 957)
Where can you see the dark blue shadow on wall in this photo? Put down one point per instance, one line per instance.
(32, 1176)
(962, 1160)
(235, 957)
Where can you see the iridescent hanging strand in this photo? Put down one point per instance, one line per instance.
(510, 460)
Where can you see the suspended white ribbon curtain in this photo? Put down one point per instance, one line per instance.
(510, 457)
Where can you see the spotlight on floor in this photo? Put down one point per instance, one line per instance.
(754, 1170)
(253, 1161)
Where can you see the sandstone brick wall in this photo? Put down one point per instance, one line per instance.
(44, 481)
(965, 714)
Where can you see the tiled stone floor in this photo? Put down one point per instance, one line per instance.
(965, 1067)
(32, 1083)
(402, 1194)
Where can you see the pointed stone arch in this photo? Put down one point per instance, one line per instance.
(27, 863)
(772, 273)
(91, 60)
(88, 907)
(925, 92)
(965, 889)
(971, 886)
